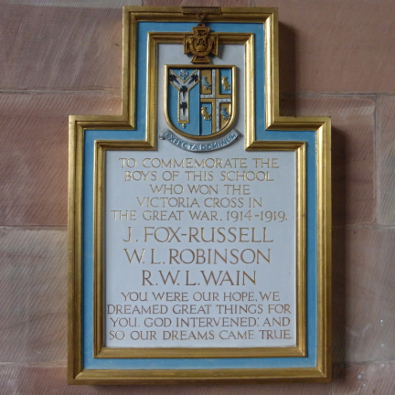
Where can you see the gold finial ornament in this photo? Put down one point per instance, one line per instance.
(201, 43)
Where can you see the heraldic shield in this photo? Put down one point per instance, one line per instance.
(200, 101)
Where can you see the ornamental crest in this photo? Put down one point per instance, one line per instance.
(200, 101)
(201, 44)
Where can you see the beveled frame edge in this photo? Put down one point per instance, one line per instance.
(299, 350)
(189, 376)
(126, 121)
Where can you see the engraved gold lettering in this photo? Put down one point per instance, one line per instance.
(275, 334)
(213, 256)
(130, 235)
(171, 296)
(279, 308)
(127, 215)
(131, 162)
(146, 276)
(269, 163)
(234, 335)
(237, 189)
(228, 278)
(143, 335)
(172, 189)
(135, 254)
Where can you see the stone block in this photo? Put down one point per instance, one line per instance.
(33, 289)
(353, 151)
(65, 48)
(34, 153)
(363, 294)
(375, 378)
(337, 46)
(386, 161)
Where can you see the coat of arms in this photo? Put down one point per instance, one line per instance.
(200, 100)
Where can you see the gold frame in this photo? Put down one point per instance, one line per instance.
(100, 351)
(127, 121)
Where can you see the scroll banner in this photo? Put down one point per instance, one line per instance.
(199, 147)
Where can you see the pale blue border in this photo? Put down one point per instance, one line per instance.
(87, 241)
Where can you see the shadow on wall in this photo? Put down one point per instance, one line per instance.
(339, 246)
(289, 107)
(287, 66)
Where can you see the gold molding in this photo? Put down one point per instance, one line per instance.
(127, 121)
(189, 376)
(100, 351)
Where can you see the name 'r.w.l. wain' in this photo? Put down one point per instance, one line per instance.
(217, 278)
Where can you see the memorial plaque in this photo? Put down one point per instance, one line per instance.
(200, 218)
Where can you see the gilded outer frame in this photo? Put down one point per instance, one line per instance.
(127, 121)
